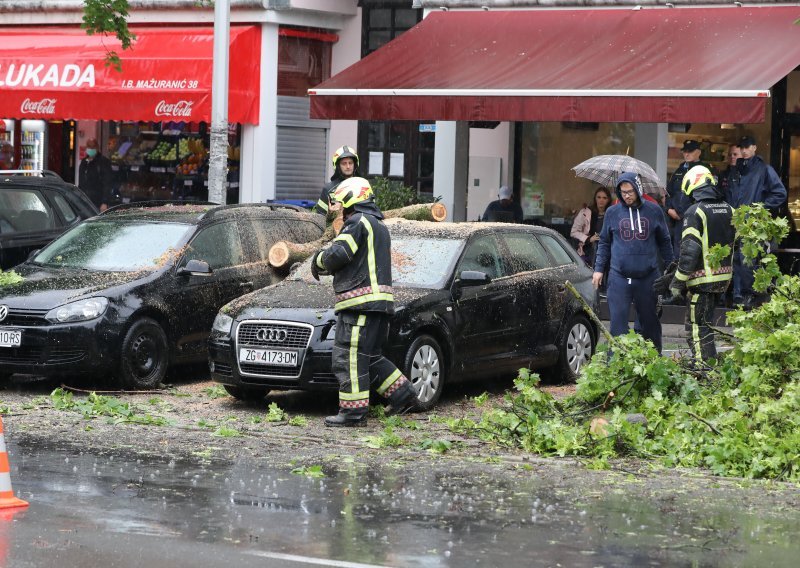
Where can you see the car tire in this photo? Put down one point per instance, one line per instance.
(246, 394)
(576, 348)
(145, 355)
(424, 368)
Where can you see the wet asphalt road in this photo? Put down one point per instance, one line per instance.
(89, 510)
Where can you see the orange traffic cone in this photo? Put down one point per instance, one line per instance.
(7, 498)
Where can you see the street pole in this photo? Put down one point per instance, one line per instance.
(218, 158)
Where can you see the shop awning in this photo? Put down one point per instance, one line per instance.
(602, 65)
(60, 73)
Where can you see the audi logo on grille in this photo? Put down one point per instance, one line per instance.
(3, 312)
(271, 334)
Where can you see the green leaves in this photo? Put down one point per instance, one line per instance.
(309, 471)
(109, 17)
(9, 277)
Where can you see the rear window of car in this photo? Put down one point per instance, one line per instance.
(557, 250)
(527, 253)
(24, 211)
(66, 211)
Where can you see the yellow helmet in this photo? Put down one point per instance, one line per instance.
(352, 191)
(344, 152)
(696, 178)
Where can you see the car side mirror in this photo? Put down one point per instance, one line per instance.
(473, 278)
(195, 267)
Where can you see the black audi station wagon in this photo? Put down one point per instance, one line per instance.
(135, 289)
(472, 300)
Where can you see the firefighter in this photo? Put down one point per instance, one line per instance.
(345, 165)
(707, 222)
(360, 260)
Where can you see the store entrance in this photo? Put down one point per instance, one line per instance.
(789, 251)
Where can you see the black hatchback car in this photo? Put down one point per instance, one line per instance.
(136, 288)
(473, 300)
(34, 210)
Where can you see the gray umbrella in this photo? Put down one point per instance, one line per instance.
(607, 168)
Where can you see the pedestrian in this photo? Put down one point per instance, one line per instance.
(730, 175)
(95, 176)
(705, 224)
(345, 165)
(503, 209)
(677, 203)
(589, 222)
(360, 260)
(634, 233)
(756, 182)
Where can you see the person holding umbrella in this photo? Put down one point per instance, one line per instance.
(634, 233)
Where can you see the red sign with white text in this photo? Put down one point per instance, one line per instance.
(51, 72)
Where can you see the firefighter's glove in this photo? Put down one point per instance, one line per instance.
(316, 271)
(662, 283)
(677, 288)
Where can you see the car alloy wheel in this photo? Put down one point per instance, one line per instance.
(578, 347)
(144, 355)
(425, 369)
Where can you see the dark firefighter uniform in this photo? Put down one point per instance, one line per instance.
(706, 223)
(360, 260)
(323, 203)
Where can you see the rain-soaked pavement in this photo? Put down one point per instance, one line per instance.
(88, 510)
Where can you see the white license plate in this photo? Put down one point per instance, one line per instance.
(268, 357)
(10, 337)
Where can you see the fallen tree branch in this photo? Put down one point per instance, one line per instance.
(589, 311)
(706, 422)
(84, 391)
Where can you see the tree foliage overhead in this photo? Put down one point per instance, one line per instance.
(109, 17)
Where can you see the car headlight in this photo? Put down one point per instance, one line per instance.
(223, 323)
(82, 310)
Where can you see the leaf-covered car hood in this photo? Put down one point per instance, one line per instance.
(302, 295)
(46, 288)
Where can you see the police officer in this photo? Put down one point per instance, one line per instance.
(360, 260)
(345, 165)
(677, 203)
(707, 222)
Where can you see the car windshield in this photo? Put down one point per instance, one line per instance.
(416, 262)
(115, 246)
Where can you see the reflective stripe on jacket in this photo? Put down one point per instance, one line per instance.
(706, 224)
(360, 260)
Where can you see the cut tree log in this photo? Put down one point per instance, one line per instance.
(284, 254)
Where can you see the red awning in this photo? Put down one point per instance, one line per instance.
(60, 73)
(614, 65)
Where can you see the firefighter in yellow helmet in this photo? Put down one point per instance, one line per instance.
(345, 165)
(707, 222)
(360, 260)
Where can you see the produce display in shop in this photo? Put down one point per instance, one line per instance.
(165, 153)
(193, 154)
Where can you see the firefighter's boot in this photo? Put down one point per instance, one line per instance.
(346, 419)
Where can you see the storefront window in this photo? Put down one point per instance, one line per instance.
(166, 161)
(550, 192)
(793, 92)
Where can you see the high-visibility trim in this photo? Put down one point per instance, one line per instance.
(693, 232)
(371, 262)
(681, 276)
(704, 240)
(389, 381)
(363, 300)
(361, 292)
(358, 395)
(710, 279)
(351, 242)
(322, 205)
(319, 262)
(354, 353)
(695, 328)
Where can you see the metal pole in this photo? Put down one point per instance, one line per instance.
(218, 158)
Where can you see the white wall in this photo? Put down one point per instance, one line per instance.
(345, 52)
(492, 143)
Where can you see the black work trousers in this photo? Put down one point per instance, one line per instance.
(359, 365)
(699, 315)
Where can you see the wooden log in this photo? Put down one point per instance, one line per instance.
(419, 212)
(284, 254)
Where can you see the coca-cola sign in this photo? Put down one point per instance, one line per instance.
(43, 106)
(180, 108)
